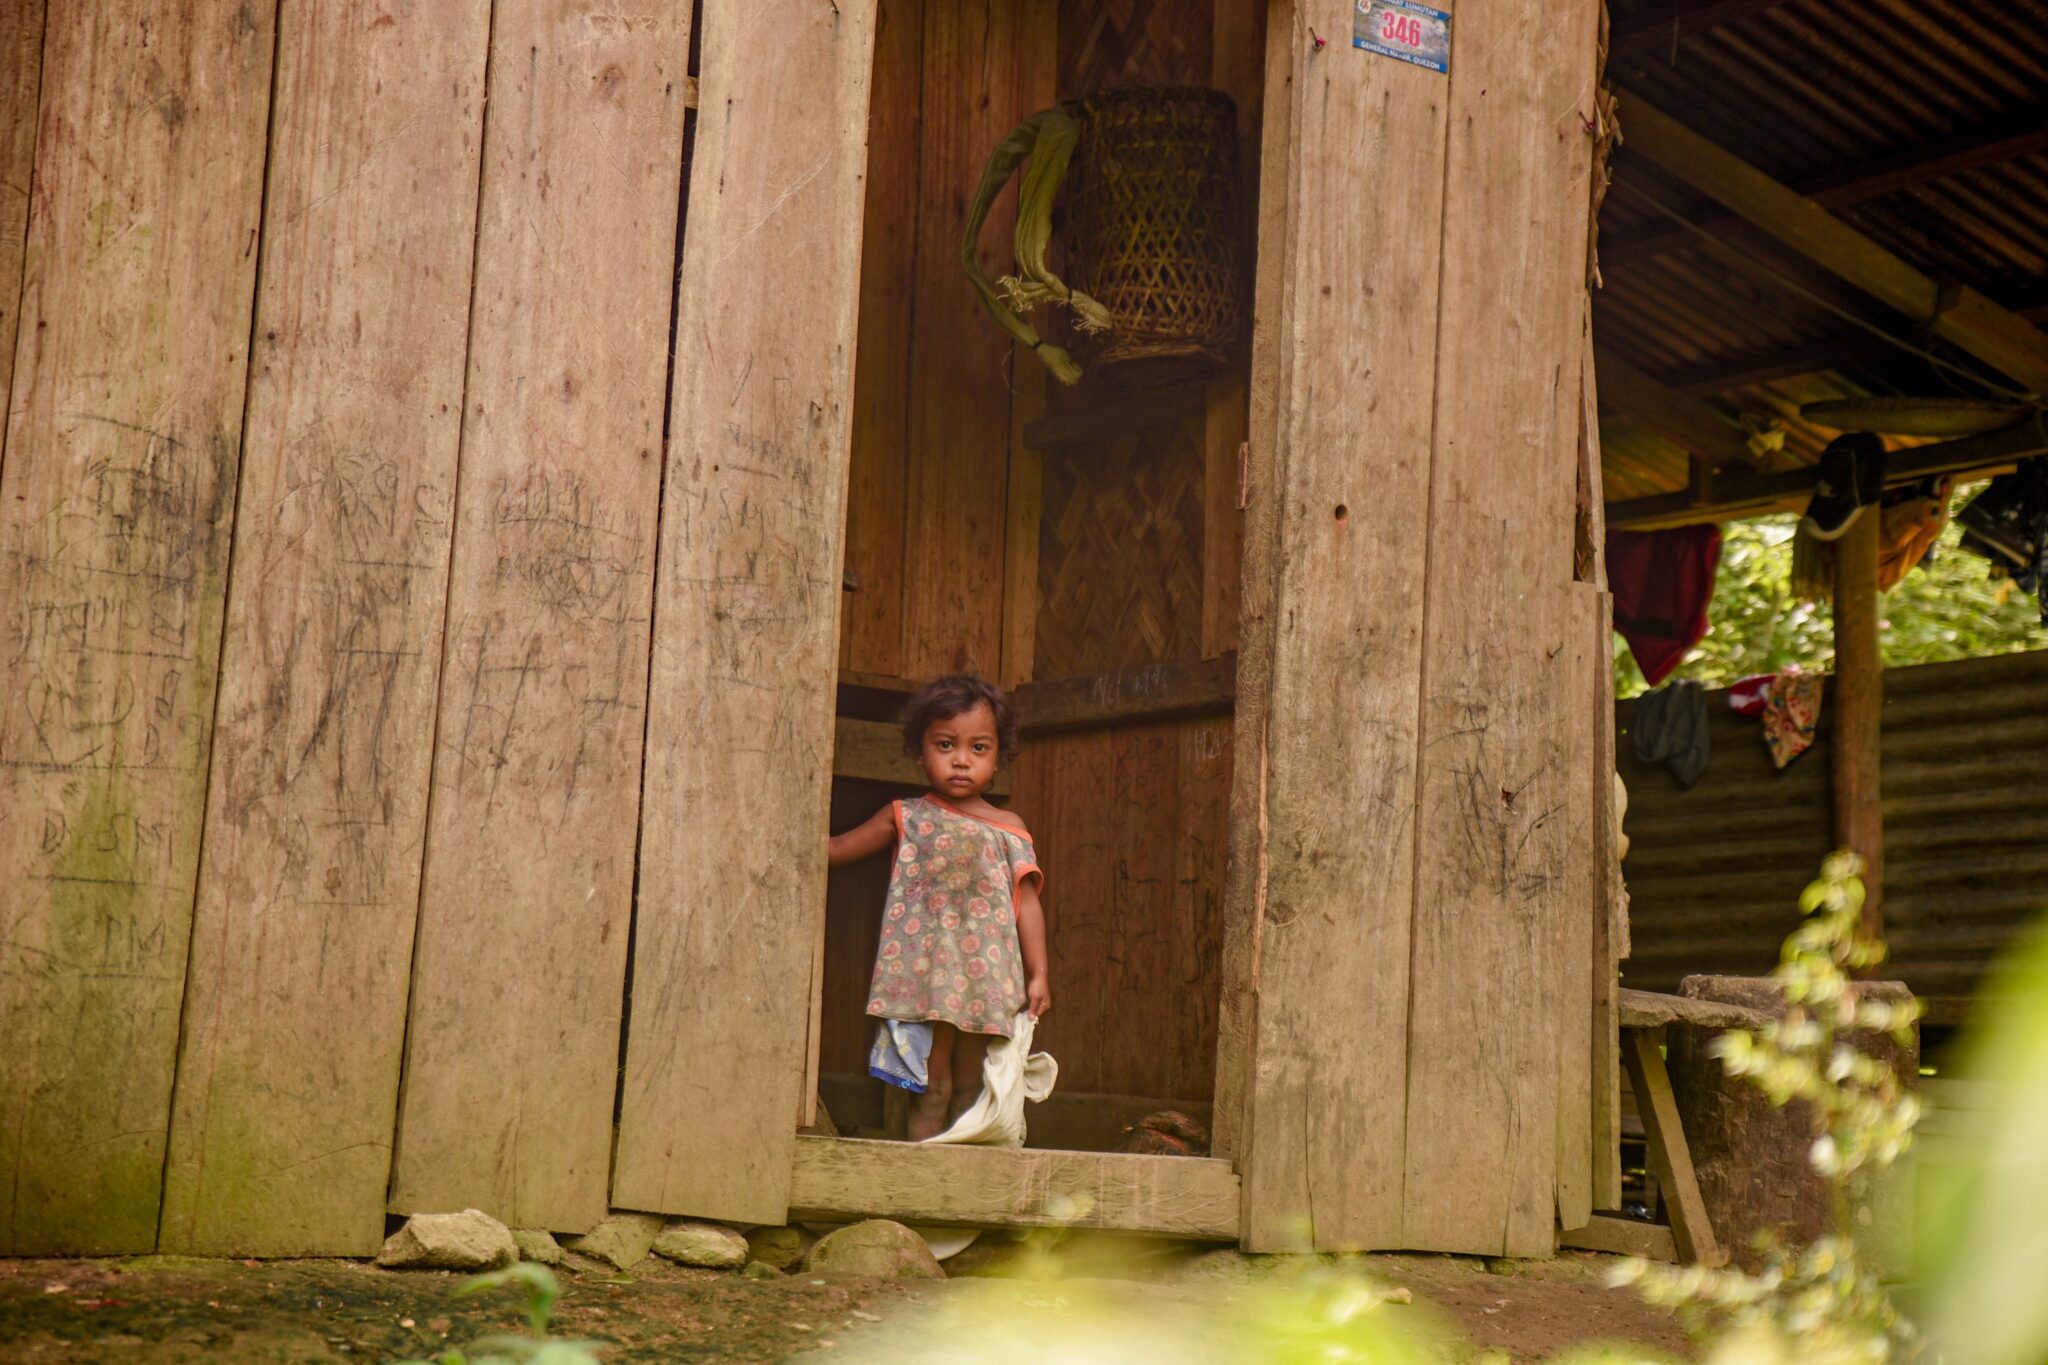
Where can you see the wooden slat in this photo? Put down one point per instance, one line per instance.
(873, 751)
(1324, 1154)
(871, 624)
(1024, 509)
(1620, 1236)
(1237, 69)
(528, 883)
(732, 868)
(1652, 1009)
(21, 71)
(123, 436)
(1244, 887)
(1168, 1196)
(1577, 984)
(1498, 796)
(1960, 314)
(1653, 25)
(1679, 418)
(960, 361)
(1692, 1232)
(295, 1007)
(1156, 692)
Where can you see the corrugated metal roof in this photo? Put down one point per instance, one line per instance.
(1923, 123)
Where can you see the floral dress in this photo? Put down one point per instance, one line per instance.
(949, 928)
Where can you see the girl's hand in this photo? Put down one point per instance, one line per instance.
(1037, 996)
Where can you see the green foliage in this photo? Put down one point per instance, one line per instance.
(1815, 1303)
(1948, 609)
(542, 1291)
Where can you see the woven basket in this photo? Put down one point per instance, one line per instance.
(1154, 231)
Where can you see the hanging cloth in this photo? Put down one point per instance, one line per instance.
(1911, 519)
(1011, 1073)
(2008, 524)
(1670, 727)
(1791, 711)
(1662, 583)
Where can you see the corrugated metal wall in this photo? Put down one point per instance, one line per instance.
(1714, 873)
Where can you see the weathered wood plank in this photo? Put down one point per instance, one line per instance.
(526, 899)
(1692, 1232)
(960, 361)
(747, 610)
(871, 626)
(1244, 887)
(1577, 986)
(1652, 1009)
(21, 72)
(123, 435)
(1153, 692)
(1022, 513)
(1323, 1164)
(1500, 786)
(1170, 1196)
(302, 945)
(1622, 1237)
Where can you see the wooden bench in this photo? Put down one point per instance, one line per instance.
(1690, 1237)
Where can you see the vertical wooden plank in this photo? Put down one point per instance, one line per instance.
(1575, 988)
(526, 895)
(309, 884)
(1324, 1161)
(871, 627)
(123, 435)
(985, 68)
(1244, 887)
(1195, 925)
(1238, 69)
(21, 71)
(747, 612)
(1499, 772)
(1670, 1156)
(1024, 508)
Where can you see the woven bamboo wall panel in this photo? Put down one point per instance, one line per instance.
(1120, 552)
(1105, 43)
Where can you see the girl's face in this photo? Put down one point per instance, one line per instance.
(959, 753)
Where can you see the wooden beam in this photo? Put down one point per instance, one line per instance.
(1610, 1232)
(1857, 704)
(1654, 25)
(1679, 418)
(1840, 351)
(1166, 1196)
(1094, 412)
(872, 751)
(1959, 314)
(1995, 143)
(1752, 495)
(1154, 692)
(1692, 1232)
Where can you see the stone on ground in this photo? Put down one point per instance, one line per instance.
(537, 1244)
(779, 1248)
(470, 1240)
(761, 1270)
(622, 1240)
(879, 1249)
(711, 1245)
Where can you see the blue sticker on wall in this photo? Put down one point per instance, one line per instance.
(1405, 31)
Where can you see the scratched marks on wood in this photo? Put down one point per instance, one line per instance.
(732, 870)
(114, 523)
(1502, 819)
(288, 1075)
(512, 1053)
(21, 69)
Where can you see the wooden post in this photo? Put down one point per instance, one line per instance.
(1858, 700)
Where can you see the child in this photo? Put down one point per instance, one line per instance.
(963, 937)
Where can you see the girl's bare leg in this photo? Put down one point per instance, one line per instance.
(968, 1051)
(929, 1112)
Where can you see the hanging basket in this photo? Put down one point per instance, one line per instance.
(1153, 228)
(1153, 231)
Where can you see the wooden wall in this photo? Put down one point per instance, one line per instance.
(347, 523)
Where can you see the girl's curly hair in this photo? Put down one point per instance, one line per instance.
(957, 694)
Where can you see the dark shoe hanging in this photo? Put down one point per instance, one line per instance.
(1851, 479)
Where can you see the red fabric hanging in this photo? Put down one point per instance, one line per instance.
(1662, 582)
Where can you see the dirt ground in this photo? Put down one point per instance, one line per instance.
(1106, 1300)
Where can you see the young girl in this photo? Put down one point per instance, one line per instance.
(963, 938)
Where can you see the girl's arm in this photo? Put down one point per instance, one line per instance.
(864, 840)
(1031, 939)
